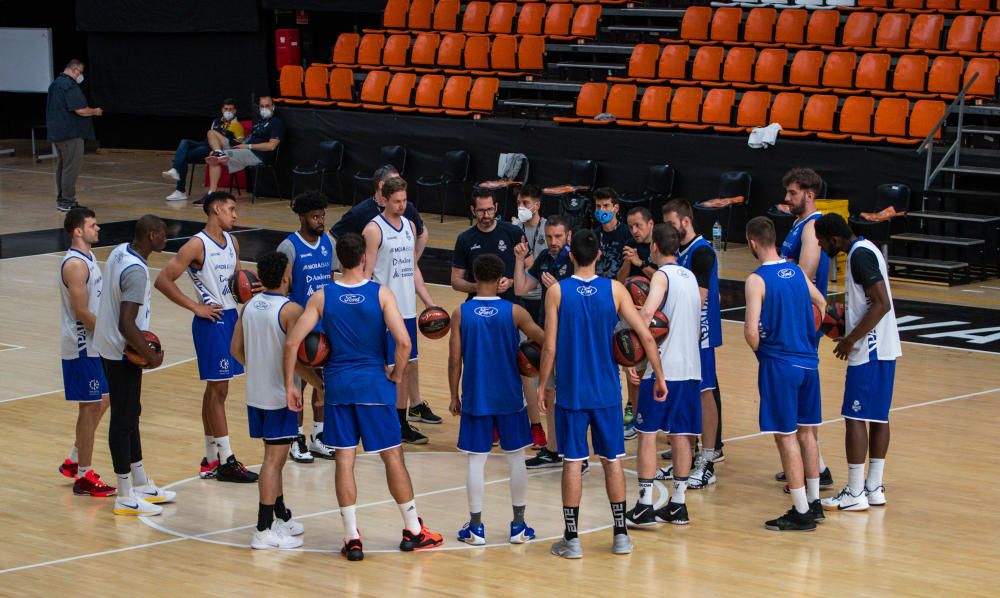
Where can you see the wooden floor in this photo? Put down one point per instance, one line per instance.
(937, 535)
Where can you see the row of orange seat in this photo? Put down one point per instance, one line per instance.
(842, 73)
(433, 94)
(430, 52)
(856, 118)
(559, 21)
(795, 28)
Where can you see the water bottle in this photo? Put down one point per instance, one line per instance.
(717, 236)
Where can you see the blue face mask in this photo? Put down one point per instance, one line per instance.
(604, 217)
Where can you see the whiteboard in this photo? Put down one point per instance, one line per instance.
(27, 60)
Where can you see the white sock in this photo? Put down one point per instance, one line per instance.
(680, 491)
(812, 489)
(822, 463)
(124, 485)
(708, 454)
(225, 451)
(645, 491)
(82, 471)
(211, 451)
(74, 455)
(799, 499)
(410, 519)
(139, 474)
(317, 429)
(350, 519)
(875, 467)
(475, 483)
(856, 477)
(300, 431)
(518, 478)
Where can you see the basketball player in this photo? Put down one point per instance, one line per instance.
(390, 240)
(83, 374)
(123, 313)
(354, 313)
(697, 255)
(870, 346)
(211, 258)
(258, 342)
(484, 343)
(780, 328)
(800, 246)
(675, 289)
(581, 314)
(310, 253)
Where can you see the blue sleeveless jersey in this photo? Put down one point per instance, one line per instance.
(787, 327)
(792, 248)
(586, 373)
(354, 324)
(312, 268)
(491, 384)
(711, 314)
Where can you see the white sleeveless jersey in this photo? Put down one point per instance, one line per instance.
(264, 345)
(76, 340)
(680, 354)
(394, 265)
(108, 341)
(882, 342)
(218, 264)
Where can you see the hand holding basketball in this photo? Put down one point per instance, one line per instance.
(141, 360)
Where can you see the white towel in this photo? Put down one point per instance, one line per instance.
(764, 137)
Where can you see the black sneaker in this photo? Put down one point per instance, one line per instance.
(64, 206)
(673, 513)
(200, 201)
(825, 479)
(351, 550)
(792, 521)
(422, 413)
(641, 516)
(411, 435)
(544, 458)
(816, 510)
(233, 471)
(422, 541)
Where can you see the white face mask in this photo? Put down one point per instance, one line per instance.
(79, 79)
(266, 113)
(228, 115)
(524, 214)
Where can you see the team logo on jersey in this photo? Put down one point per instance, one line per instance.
(352, 299)
(322, 250)
(224, 364)
(95, 385)
(501, 246)
(586, 290)
(486, 311)
(856, 406)
(260, 305)
(786, 273)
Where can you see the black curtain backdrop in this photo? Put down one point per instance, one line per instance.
(326, 5)
(170, 16)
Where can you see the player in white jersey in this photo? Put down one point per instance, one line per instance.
(870, 346)
(390, 241)
(122, 315)
(673, 290)
(211, 258)
(258, 343)
(83, 375)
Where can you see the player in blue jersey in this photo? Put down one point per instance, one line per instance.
(581, 313)
(354, 313)
(780, 327)
(486, 390)
(310, 254)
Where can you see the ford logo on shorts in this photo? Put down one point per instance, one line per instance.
(586, 291)
(352, 299)
(486, 311)
(786, 273)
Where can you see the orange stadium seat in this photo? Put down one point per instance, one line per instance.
(316, 80)
(585, 22)
(502, 17)
(424, 52)
(557, 19)
(428, 94)
(455, 95)
(685, 108)
(909, 75)
(707, 66)
(394, 14)
(716, 111)
(873, 71)
(945, 76)
(446, 15)
(791, 27)
(787, 111)
(925, 33)
(890, 118)
(290, 85)
(985, 85)
(759, 26)
(752, 111)
(621, 103)
(475, 17)
(855, 120)
(923, 118)
(370, 50)
(641, 63)
(373, 90)
(394, 55)
(589, 103)
(726, 24)
(737, 70)
(892, 30)
(963, 35)
(822, 29)
(531, 53)
(345, 50)
(400, 89)
(482, 97)
(652, 108)
(838, 73)
(673, 63)
(695, 23)
(419, 16)
(805, 69)
(531, 18)
(454, 45)
(342, 87)
(503, 55)
(991, 37)
(858, 31)
(817, 116)
(770, 67)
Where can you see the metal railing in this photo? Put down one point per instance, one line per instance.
(954, 150)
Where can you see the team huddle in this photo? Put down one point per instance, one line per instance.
(368, 387)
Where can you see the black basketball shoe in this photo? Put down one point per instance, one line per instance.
(351, 550)
(641, 516)
(673, 513)
(233, 471)
(792, 521)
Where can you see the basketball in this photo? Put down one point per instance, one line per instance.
(834, 324)
(627, 349)
(638, 289)
(154, 343)
(817, 318)
(241, 285)
(434, 322)
(529, 359)
(314, 350)
(660, 327)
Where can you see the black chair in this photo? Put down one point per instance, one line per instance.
(582, 178)
(658, 187)
(506, 185)
(895, 195)
(388, 154)
(454, 173)
(270, 165)
(732, 183)
(330, 161)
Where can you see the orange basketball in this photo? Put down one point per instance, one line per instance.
(241, 285)
(154, 343)
(627, 349)
(638, 289)
(659, 327)
(314, 350)
(529, 359)
(434, 322)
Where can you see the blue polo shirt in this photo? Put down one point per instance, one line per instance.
(61, 120)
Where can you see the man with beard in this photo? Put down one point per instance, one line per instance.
(489, 235)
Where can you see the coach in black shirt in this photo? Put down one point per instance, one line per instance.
(612, 234)
(489, 235)
(68, 120)
(549, 267)
(636, 252)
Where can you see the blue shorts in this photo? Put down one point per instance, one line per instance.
(83, 379)
(211, 344)
(607, 432)
(680, 414)
(475, 433)
(390, 345)
(272, 424)
(708, 379)
(868, 391)
(789, 397)
(377, 426)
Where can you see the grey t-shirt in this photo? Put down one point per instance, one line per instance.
(535, 236)
(133, 283)
(288, 248)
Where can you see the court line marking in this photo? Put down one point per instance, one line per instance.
(9, 347)
(50, 173)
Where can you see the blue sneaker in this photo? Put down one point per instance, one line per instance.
(521, 533)
(472, 535)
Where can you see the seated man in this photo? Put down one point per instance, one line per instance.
(258, 147)
(191, 151)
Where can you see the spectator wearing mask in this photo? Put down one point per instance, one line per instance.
(191, 151)
(612, 234)
(68, 122)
